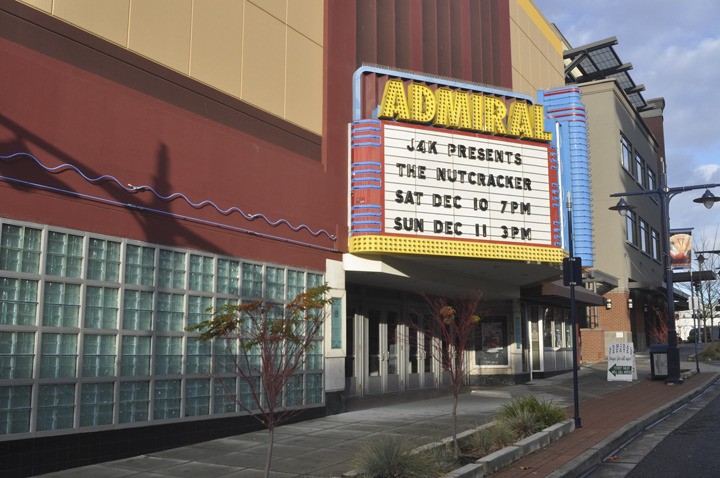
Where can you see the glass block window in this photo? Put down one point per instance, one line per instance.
(61, 305)
(224, 394)
(103, 260)
(170, 312)
(314, 280)
(64, 255)
(135, 356)
(171, 271)
(294, 391)
(274, 283)
(99, 355)
(139, 265)
(96, 404)
(18, 301)
(224, 355)
(228, 273)
(15, 409)
(58, 356)
(252, 280)
(246, 399)
(137, 310)
(56, 406)
(197, 397)
(167, 399)
(198, 309)
(20, 249)
(201, 273)
(198, 356)
(314, 356)
(134, 401)
(101, 308)
(314, 384)
(168, 355)
(17, 353)
(295, 284)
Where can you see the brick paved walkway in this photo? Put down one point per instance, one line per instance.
(601, 417)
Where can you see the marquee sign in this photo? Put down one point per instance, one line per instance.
(424, 189)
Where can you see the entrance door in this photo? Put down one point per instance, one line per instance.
(383, 364)
(535, 334)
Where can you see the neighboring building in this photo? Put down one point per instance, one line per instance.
(162, 159)
(626, 154)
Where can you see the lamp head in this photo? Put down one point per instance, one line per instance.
(622, 207)
(707, 199)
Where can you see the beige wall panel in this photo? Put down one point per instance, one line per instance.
(276, 8)
(263, 72)
(45, 5)
(216, 50)
(304, 91)
(306, 17)
(160, 29)
(107, 18)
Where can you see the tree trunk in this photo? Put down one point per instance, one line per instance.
(268, 459)
(454, 414)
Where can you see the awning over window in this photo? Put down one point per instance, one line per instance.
(556, 293)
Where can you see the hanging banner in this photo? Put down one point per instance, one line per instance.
(621, 362)
(680, 248)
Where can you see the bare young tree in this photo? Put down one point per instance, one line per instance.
(265, 344)
(453, 322)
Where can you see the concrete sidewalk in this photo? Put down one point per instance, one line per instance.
(325, 447)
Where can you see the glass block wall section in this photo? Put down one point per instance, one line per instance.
(93, 332)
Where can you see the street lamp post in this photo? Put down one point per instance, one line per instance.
(664, 195)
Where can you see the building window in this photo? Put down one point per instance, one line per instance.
(138, 310)
(639, 168)
(655, 240)
(20, 249)
(134, 401)
(18, 301)
(168, 355)
(198, 310)
(626, 153)
(644, 236)
(99, 355)
(224, 395)
(201, 273)
(228, 274)
(651, 179)
(170, 313)
(140, 265)
(135, 358)
(631, 225)
(103, 260)
(101, 308)
(15, 407)
(198, 356)
(171, 272)
(58, 356)
(197, 397)
(17, 353)
(252, 280)
(295, 284)
(61, 307)
(64, 255)
(167, 401)
(96, 404)
(56, 407)
(491, 341)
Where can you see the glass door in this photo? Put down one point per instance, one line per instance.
(384, 348)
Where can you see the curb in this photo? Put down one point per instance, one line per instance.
(594, 456)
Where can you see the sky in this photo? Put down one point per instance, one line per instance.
(674, 48)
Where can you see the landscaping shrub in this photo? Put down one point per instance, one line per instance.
(491, 439)
(710, 352)
(527, 415)
(392, 457)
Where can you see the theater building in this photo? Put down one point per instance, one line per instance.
(162, 159)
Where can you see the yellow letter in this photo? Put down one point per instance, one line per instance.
(462, 118)
(445, 107)
(495, 112)
(477, 112)
(422, 103)
(394, 103)
(519, 120)
(537, 116)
